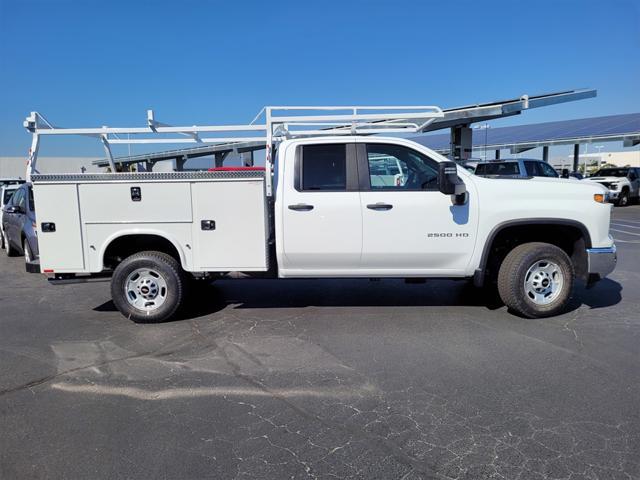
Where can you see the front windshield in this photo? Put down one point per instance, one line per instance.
(8, 193)
(611, 172)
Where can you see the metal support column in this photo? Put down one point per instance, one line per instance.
(219, 158)
(576, 157)
(497, 154)
(180, 163)
(247, 159)
(545, 153)
(461, 142)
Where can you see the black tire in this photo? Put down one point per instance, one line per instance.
(169, 271)
(623, 199)
(10, 249)
(513, 274)
(26, 250)
(2, 242)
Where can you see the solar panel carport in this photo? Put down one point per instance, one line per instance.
(624, 128)
(457, 119)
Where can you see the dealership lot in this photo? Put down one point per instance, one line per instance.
(322, 379)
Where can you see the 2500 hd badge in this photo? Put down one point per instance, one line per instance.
(448, 235)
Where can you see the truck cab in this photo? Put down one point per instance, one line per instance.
(337, 215)
(518, 167)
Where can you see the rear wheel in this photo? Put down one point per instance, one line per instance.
(148, 287)
(536, 280)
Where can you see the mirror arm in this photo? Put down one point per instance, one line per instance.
(460, 198)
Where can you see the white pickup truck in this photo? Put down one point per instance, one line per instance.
(331, 208)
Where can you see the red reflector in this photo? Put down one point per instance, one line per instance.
(235, 169)
(47, 271)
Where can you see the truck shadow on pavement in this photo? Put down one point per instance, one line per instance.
(209, 299)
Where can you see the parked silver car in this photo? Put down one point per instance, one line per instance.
(6, 192)
(19, 224)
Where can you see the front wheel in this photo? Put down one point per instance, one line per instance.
(148, 287)
(10, 249)
(28, 256)
(623, 199)
(536, 280)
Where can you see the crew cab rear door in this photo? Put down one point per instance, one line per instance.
(321, 217)
(409, 227)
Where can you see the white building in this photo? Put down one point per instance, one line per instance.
(619, 159)
(11, 167)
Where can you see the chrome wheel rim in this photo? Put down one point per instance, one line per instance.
(145, 289)
(543, 282)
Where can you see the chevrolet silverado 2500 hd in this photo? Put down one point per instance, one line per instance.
(337, 206)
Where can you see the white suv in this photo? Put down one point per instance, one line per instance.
(623, 183)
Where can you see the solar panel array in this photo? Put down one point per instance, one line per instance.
(583, 129)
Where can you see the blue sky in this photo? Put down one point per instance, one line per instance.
(93, 63)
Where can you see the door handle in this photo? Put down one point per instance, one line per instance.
(301, 207)
(208, 225)
(379, 206)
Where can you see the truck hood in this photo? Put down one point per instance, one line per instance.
(561, 186)
(605, 179)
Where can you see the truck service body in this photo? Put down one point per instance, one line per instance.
(326, 211)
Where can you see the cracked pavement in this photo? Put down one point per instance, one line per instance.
(321, 379)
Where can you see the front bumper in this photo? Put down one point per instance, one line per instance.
(601, 261)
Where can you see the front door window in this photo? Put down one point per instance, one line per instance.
(395, 167)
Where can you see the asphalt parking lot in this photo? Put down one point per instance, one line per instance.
(322, 379)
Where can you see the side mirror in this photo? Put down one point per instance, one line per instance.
(448, 181)
(450, 184)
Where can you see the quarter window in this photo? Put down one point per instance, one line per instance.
(548, 170)
(394, 167)
(324, 167)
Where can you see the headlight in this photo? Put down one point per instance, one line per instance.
(613, 186)
(601, 197)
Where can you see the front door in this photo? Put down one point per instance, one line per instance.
(409, 227)
(322, 223)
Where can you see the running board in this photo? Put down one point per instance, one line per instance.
(71, 279)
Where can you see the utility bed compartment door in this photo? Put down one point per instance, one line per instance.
(132, 202)
(229, 226)
(60, 247)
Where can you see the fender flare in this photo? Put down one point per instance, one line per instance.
(479, 275)
(141, 231)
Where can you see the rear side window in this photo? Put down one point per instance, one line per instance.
(507, 168)
(324, 167)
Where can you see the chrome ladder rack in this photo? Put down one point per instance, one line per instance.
(279, 123)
